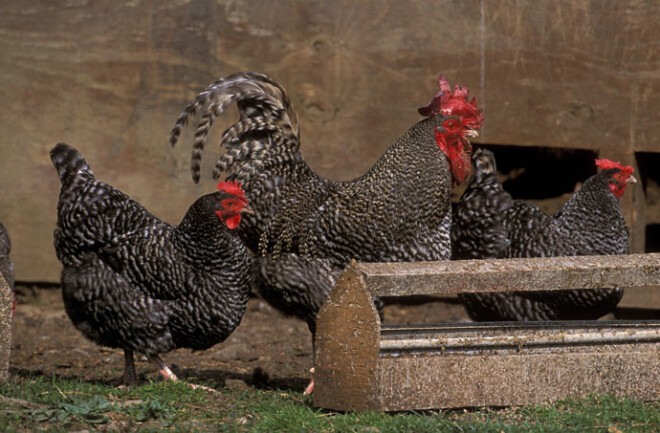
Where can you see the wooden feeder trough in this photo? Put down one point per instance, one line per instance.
(361, 364)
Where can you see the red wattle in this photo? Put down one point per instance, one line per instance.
(233, 221)
(458, 155)
(461, 168)
(617, 190)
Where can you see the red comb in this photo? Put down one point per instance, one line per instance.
(233, 188)
(607, 163)
(447, 103)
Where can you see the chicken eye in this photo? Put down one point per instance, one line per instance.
(228, 203)
(451, 124)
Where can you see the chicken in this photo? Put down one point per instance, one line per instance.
(296, 210)
(6, 265)
(478, 230)
(307, 228)
(134, 282)
(495, 226)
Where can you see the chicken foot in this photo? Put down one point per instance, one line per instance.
(168, 374)
(309, 390)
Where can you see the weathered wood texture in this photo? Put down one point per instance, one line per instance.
(450, 381)
(111, 77)
(459, 365)
(506, 275)
(6, 304)
(346, 356)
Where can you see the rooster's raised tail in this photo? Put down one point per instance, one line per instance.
(265, 135)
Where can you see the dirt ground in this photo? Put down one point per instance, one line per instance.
(267, 350)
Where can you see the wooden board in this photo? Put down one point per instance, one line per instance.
(425, 382)
(507, 275)
(513, 363)
(6, 306)
(111, 78)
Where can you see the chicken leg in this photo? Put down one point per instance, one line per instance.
(309, 390)
(167, 374)
(129, 377)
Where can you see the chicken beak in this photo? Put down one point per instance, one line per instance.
(247, 209)
(471, 133)
(631, 179)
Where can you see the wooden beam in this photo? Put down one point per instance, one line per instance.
(507, 275)
(416, 382)
(6, 303)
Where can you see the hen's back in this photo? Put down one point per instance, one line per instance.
(92, 215)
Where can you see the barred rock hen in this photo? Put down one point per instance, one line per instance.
(307, 228)
(134, 282)
(589, 223)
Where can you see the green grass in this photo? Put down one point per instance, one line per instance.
(29, 404)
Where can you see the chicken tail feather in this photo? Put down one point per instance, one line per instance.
(266, 116)
(68, 161)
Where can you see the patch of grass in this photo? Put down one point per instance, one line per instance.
(59, 404)
(63, 404)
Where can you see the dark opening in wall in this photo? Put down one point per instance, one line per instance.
(649, 175)
(649, 169)
(652, 238)
(536, 173)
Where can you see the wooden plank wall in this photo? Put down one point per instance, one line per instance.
(111, 77)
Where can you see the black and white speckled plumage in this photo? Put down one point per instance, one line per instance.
(297, 285)
(398, 211)
(132, 281)
(6, 265)
(589, 223)
(478, 230)
(385, 215)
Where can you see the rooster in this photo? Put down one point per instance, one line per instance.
(307, 228)
(493, 225)
(134, 282)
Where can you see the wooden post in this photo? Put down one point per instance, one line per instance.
(6, 302)
(347, 346)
